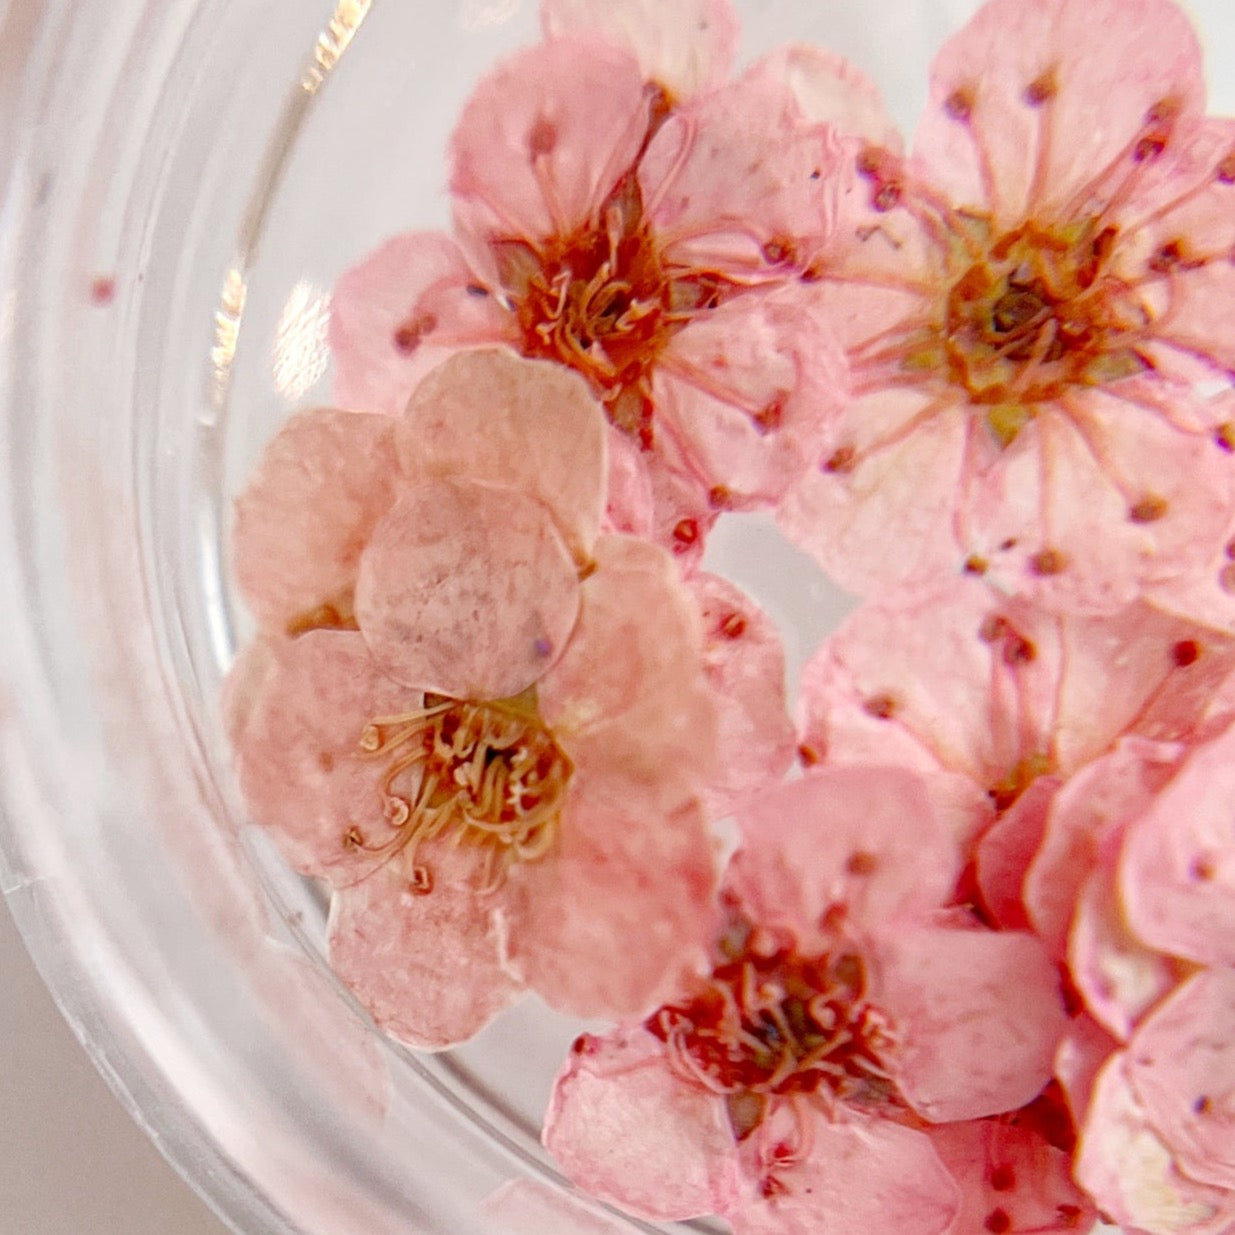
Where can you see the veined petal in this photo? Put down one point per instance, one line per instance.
(466, 590)
(426, 966)
(625, 1127)
(747, 394)
(1008, 1173)
(1177, 872)
(745, 665)
(1042, 108)
(736, 180)
(1124, 1164)
(527, 425)
(1181, 1065)
(628, 699)
(321, 486)
(830, 90)
(864, 841)
(855, 1174)
(624, 869)
(685, 48)
(302, 773)
(399, 312)
(968, 1050)
(539, 148)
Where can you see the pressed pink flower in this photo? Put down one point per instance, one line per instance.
(481, 844)
(844, 1013)
(988, 695)
(651, 249)
(1028, 304)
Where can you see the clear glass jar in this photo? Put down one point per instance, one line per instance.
(184, 181)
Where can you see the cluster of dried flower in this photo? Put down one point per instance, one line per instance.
(971, 967)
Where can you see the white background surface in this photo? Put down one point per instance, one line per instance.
(72, 1162)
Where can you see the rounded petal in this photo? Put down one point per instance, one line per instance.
(628, 699)
(399, 312)
(427, 966)
(856, 1175)
(1083, 1050)
(686, 48)
(539, 148)
(1098, 456)
(745, 665)
(830, 90)
(968, 1049)
(864, 841)
(298, 759)
(1010, 1179)
(1177, 873)
(736, 181)
(1007, 850)
(1091, 807)
(466, 590)
(1119, 978)
(623, 1126)
(1041, 108)
(624, 869)
(1181, 1064)
(319, 489)
(527, 425)
(628, 490)
(745, 395)
(879, 510)
(1127, 1168)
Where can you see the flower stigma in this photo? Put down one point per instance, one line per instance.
(488, 774)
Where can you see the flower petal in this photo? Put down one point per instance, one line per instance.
(628, 698)
(745, 665)
(1181, 1064)
(736, 181)
(1039, 109)
(857, 1175)
(466, 590)
(1118, 976)
(746, 395)
(1083, 1050)
(527, 425)
(969, 1051)
(862, 840)
(426, 966)
(298, 759)
(1007, 850)
(686, 48)
(321, 486)
(1011, 1179)
(880, 509)
(830, 90)
(1127, 1168)
(625, 870)
(399, 312)
(1092, 805)
(1177, 874)
(539, 148)
(627, 1129)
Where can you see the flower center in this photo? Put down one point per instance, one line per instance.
(781, 1023)
(489, 773)
(1040, 312)
(603, 302)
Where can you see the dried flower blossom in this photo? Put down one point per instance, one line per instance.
(1029, 304)
(649, 248)
(483, 750)
(846, 1012)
